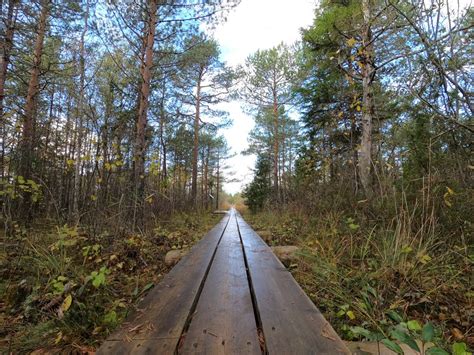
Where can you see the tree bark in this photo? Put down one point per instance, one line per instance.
(164, 174)
(7, 45)
(197, 119)
(163, 147)
(32, 96)
(140, 141)
(276, 147)
(368, 72)
(218, 180)
(205, 176)
(80, 118)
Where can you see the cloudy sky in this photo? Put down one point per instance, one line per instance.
(253, 25)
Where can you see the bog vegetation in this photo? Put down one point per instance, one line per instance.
(375, 181)
(112, 154)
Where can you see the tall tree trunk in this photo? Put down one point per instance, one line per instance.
(205, 176)
(355, 155)
(218, 180)
(165, 163)
(65, 176)
(104, 175)
(140, 141)
(32, 95)
(164, 174)
(368, 72)
(163, 147)
(276, 146)
(197, 119)
(48, 130)
(283, 183)
(80, 118)
(7, 44)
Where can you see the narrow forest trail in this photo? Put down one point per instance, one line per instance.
(229, 295)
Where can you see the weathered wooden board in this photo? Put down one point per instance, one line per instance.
(290, 321)
(224, 321)
(157, 324)
(208, 304)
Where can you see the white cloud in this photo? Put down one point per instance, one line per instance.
(260, 24)
(253, 25)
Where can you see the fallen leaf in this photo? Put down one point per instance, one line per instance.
(66, 303)
(457, 334)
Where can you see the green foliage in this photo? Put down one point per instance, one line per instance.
(405, 333)
(352, 226)
(110, 319)
(58, 284)
(18, 188)
(418, 137)
(257, 193)
(405, 338)
(71, 286)
(98, 277)
(460, 349)
(428, 332)
(392, 346)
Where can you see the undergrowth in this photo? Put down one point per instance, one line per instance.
(67, 287)
(381, 273)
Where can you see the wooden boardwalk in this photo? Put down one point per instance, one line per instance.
(229, 295)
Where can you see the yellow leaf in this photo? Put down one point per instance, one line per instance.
(96, 330)
(58, 338)
(351, 42)
(93, 197)
(66, 303)
(351, 315)
(358, 108)
(450, 192)
(424, 258)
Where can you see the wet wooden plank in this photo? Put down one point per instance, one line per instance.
(224, 321)
(291, 323)
(157, 324)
